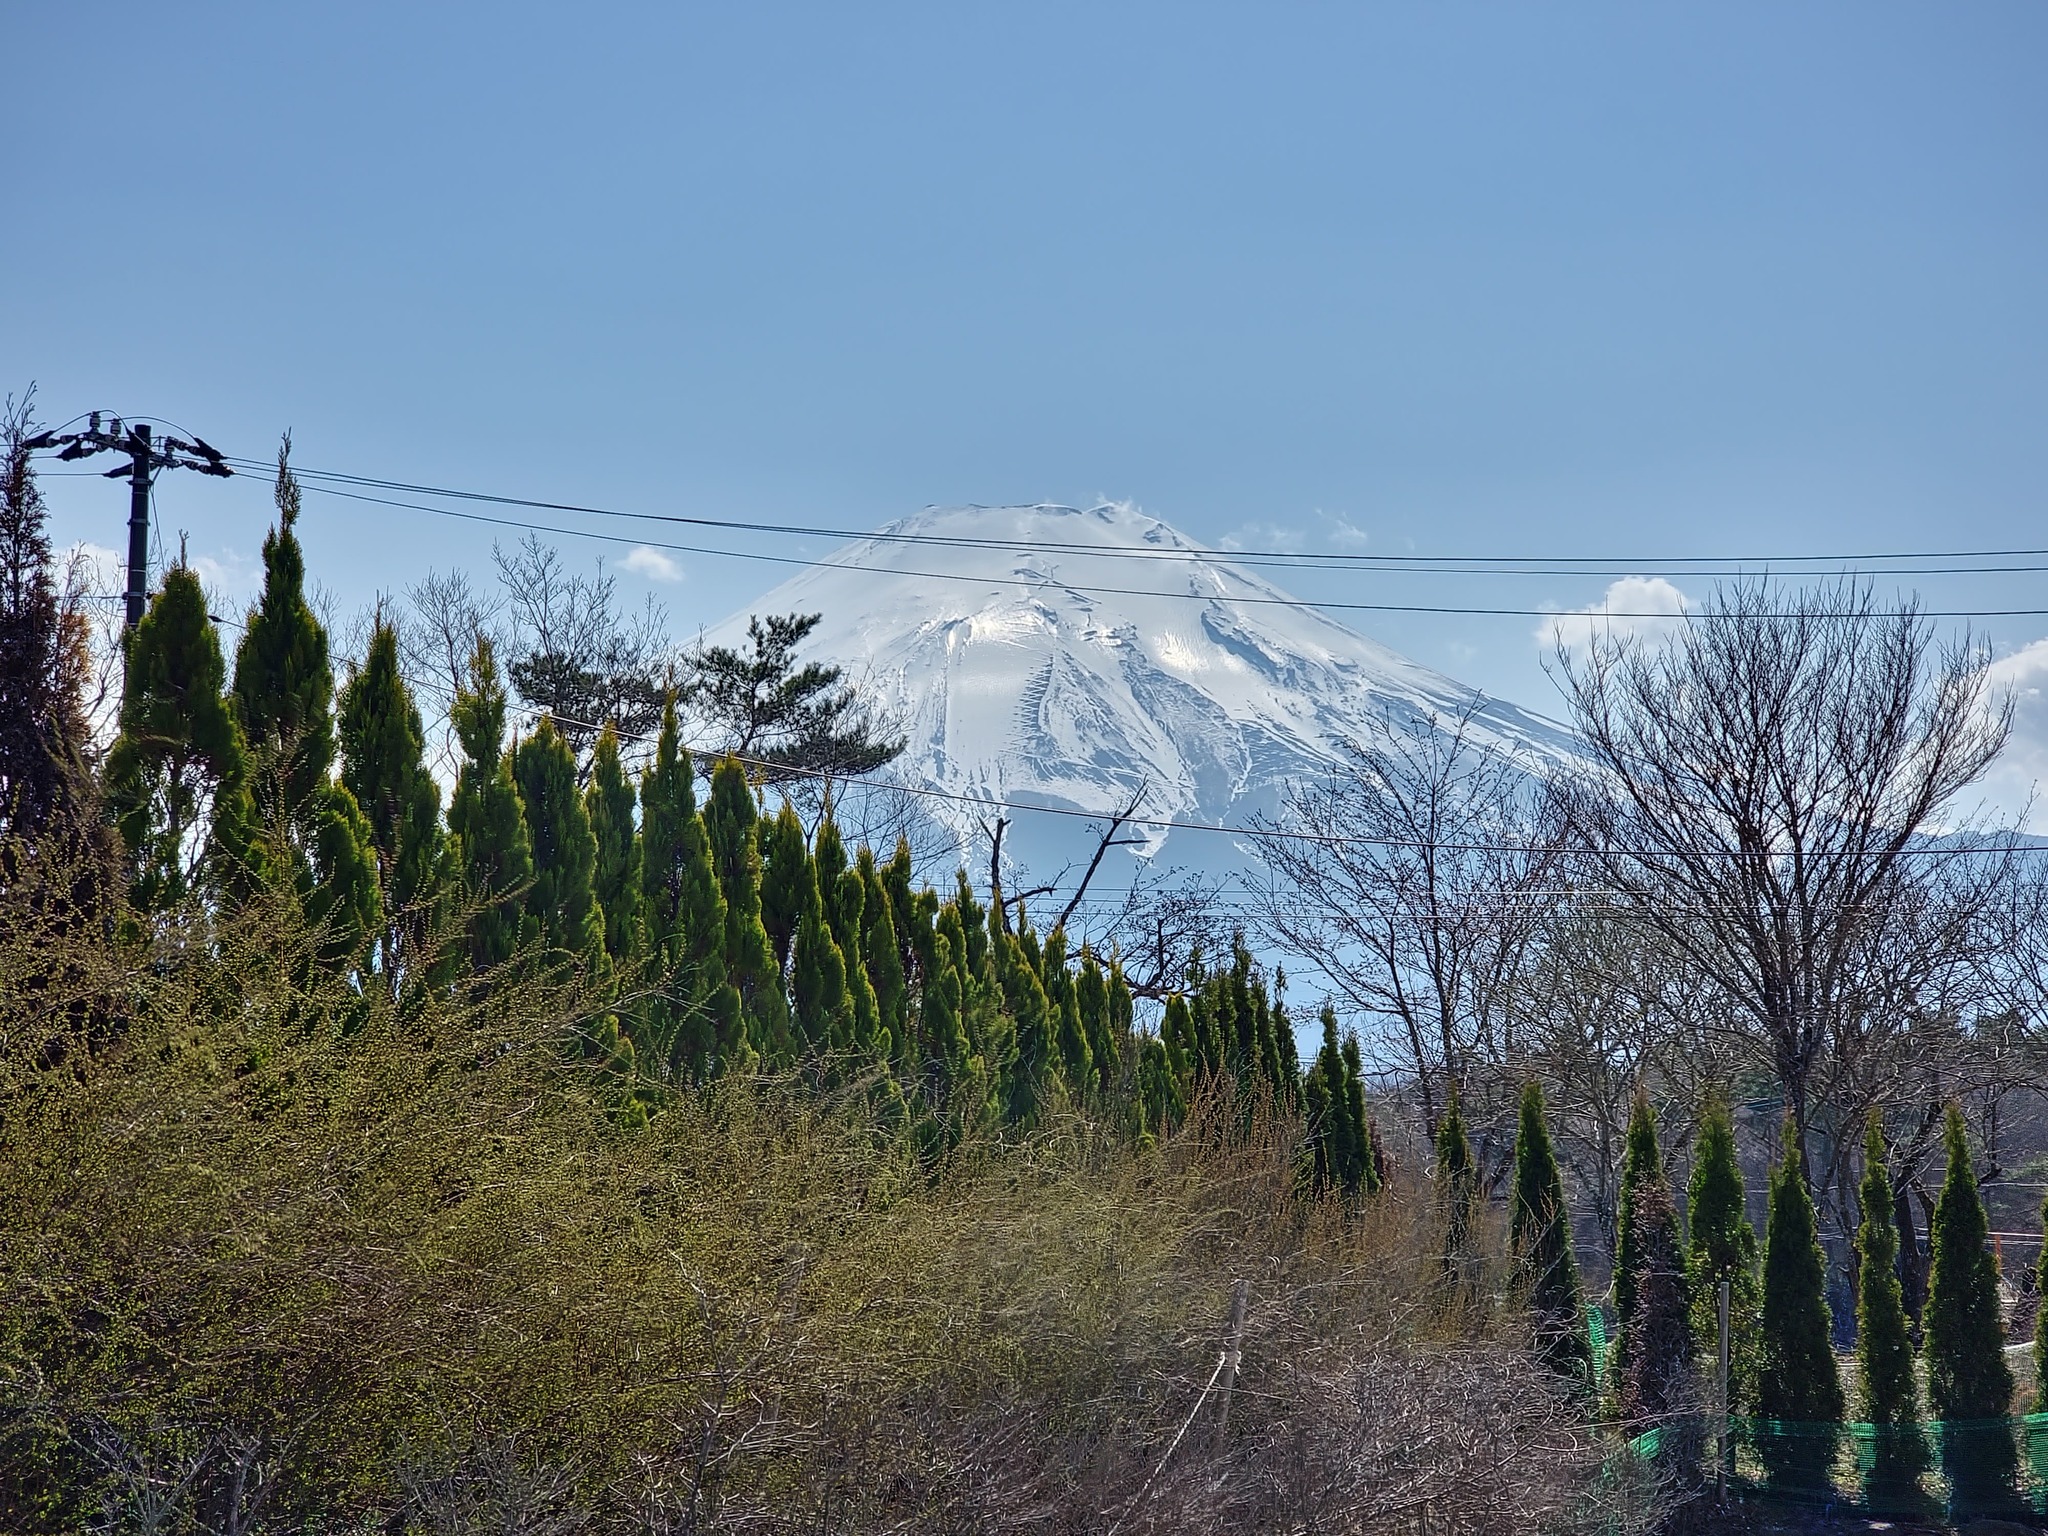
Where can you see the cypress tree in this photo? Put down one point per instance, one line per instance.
(177, 775)
(1724, 1247)
(1098, 1025)
(564, 894)
(2041, 1319)
(1656, 1381)
(844, 895)
(881, 956)
(383, 757)
(1030, 1013)
(1177, 1034)
(284, 697)
(819, 999)
(44, 785)
(283, 684)
(608, 804)
(1457, 1186)
(1541, 1232)
(750, 962)
(1070, 1038)
(1364, 1152)
(1798, 1385)
(486, 822)
(788, 883)
(692, 1023)
(1642, 1165)
(1968, 1381)
(1884, 1348)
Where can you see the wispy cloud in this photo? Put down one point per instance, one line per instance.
(2014, 782)
(1264, 536)
(1341, 532)
(1648, 606)
(652, 563)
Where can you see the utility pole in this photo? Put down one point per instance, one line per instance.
(147, 454)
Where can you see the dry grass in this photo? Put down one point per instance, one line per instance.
(275, 1256)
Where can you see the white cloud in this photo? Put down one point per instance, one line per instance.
(1635, 605)
(100, 571)
(1263, 536)
(2014, 780)
(653, 564)
(1342, 532)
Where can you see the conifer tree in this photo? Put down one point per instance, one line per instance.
(1884, 1348)
(844, 895)
(2041, 1318)
(1641, 1166)
(608, 803)
(1370, 1158)
(881, 955)
(1541, 1233)
(1723, 1248)
(284, 697)
(564, 894)
(1030, 1013)
(750, 963)
(692, 1022)
(492, 848)
(1656, 1380)
(788, 883)
(1098, 1026)
(819, 1000)
(177, 775)
(1177, 1035)
(1457, 1186)
(44, 786)
(1798, 1384)
(1070, 1036)
(383, 756)
(1968, 1381)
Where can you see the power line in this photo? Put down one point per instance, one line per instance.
(1408, 562)
(1267, 600)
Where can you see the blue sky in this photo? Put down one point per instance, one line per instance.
(1474, 279)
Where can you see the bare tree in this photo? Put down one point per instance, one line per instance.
(1764, 792)
(445, 617)
(1414, 878)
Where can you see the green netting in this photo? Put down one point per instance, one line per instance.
(1957, 1470)
(1596, 1335)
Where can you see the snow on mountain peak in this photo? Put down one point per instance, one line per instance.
(1063, 656)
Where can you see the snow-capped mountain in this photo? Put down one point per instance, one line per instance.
(1059, 656)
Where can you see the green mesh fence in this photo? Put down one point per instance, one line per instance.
(1960, 1471)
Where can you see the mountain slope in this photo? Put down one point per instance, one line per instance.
(1114, 652)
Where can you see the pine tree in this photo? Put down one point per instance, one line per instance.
(492, 849)
(1457, 1186)
(177, 775)
(1884, 1348)
(1798, 1385)
(608, 804)
(1723, 1248)
(1968, 1381)
(692, 1023)
(383, 755)
(1541, 1232)
(750, 963)
(564, 894)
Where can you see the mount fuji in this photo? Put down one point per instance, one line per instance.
(1062, 657)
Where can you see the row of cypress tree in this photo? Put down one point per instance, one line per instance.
(1783, 1369)
(705, 934)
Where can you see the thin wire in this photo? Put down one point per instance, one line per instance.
(1409, 561)
(1030, 582)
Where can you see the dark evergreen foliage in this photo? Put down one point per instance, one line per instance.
(1722, 1248)
(1969, 1385)
(1540, 1231)
(789, 719)
(1798, 1384)
(1889, 1396)
(1642, 1166)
